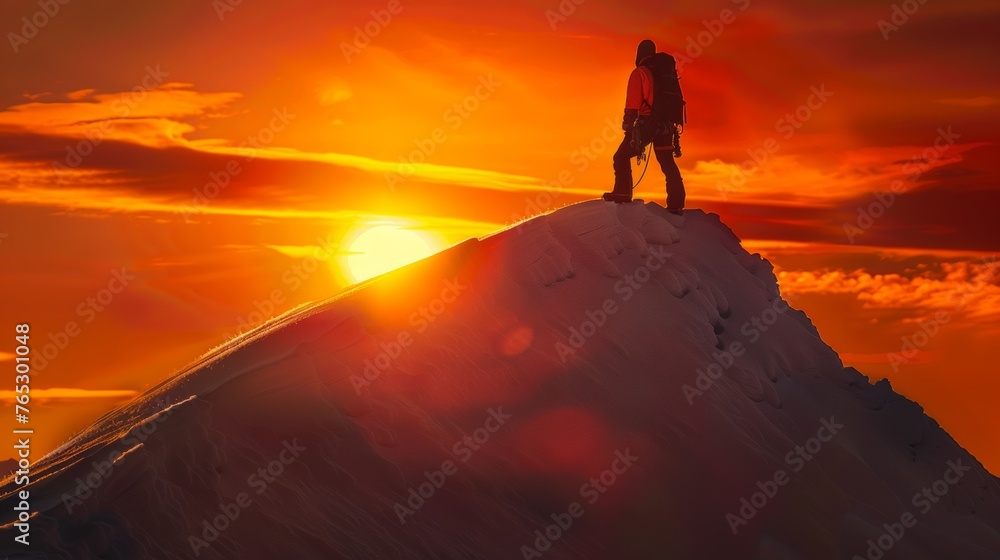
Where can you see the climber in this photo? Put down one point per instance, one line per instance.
(654, 113)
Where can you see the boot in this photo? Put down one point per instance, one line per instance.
(617, 197)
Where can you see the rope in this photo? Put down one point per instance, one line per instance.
(646, 156)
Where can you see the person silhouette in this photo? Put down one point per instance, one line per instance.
(657, 121)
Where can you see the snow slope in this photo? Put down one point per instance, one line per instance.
(605, 381)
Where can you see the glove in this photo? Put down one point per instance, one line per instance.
(628, 121)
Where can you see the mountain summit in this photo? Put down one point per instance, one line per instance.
(602, 382)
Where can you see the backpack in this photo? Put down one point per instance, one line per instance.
(668, 101)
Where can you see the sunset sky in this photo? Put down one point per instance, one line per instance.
(186, 162)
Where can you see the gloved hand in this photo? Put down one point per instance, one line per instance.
(628, 121)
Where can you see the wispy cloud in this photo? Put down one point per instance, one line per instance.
(8, 397)
(157, 118)
(166, 118)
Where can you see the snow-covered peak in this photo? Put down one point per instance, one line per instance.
(604, 381)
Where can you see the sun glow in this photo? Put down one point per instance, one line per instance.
(384, 247)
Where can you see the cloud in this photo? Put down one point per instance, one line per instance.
(8, 397)
(150, 117)
(915, 357)
(969, 288)
(98, 143)
(333, 93)
(789, 175)
(80, 94)
(304, 252)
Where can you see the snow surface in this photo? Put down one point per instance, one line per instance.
(486, 330)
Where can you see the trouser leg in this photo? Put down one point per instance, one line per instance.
(675, 184)
(623, 167)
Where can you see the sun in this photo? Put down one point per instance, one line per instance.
(381, 248)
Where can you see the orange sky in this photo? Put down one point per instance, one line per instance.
(117, 118)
